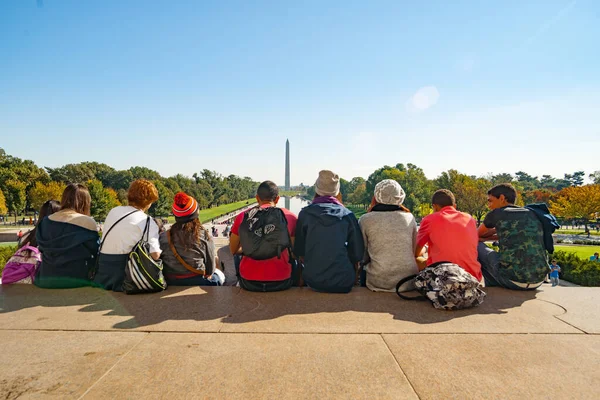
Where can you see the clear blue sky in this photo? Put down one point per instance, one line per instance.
(179, 86)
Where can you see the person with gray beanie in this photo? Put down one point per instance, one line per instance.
(328, 239)
(389, 231)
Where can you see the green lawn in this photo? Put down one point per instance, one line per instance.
(210, 213)
(6, 244)
(356, 209)
(583, 252)
(290, 193)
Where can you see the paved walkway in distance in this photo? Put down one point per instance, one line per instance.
(225, 343)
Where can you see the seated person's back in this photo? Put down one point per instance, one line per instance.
(389, 231)
(521, 262)
(451, 235)
(328, 238)
(269, 274)
(188, 252)
(123, 229)
(68, 241)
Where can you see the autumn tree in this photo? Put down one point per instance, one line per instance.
(162, 207)
(417, 187)
(577, 202)
(3, 209)
(40, 193)
(359, 195)
(16, 197)
(103, 199)
(471, 195)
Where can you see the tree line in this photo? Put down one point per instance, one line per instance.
(567, 197)
(24, 186)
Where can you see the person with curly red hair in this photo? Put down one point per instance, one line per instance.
(123, 229)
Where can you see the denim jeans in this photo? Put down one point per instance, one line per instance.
(490, 268)
(216, 279)
(554, 280)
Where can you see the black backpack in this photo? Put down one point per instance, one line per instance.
(264, 233)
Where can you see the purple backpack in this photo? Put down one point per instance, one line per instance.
(22, 266)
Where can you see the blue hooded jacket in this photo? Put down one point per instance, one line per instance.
(328, 237)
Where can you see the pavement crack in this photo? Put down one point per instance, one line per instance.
(399, 366)
(560, 319)
(114, 365)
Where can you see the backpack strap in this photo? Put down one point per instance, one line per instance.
(402, 296)
(178, 257)
(28, 248)
(119, 220)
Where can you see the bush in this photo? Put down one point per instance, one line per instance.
(588, 242)
(6, 252)
(576, 270)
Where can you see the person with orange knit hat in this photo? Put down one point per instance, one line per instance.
(188, 252)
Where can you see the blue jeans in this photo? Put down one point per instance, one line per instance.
(554, 280)
(490, 268)
(216, 279)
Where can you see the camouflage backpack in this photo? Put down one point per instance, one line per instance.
(446, 285)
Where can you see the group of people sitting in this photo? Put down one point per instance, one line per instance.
(325, 247)
(331, 246)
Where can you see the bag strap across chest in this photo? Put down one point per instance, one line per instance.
(178, 257)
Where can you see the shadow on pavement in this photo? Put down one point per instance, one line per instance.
(235, 306)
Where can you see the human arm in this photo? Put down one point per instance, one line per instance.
(153, 241)
(356, 244)
(235, 247)
(422, 238)
(366, 258)
(300, 237)
(487, 230)
(234, 244)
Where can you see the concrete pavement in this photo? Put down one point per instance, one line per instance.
(222, 342)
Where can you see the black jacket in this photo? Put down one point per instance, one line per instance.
(68, 254)
(549, 223)
(329, 239)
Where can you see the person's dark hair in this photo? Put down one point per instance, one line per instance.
(76, 197)
(506, 189)
(190, 232)
(48, 208)
(443, 198)
(267, 191)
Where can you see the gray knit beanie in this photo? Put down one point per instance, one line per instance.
(388, 191)
(327, 184)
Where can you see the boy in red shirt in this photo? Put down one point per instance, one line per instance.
(450, 234)
(265, 275)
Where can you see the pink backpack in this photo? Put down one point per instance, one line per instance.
(22, 266)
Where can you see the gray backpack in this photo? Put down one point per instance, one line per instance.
(446, 285)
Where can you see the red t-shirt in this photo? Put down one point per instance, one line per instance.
(273, 269)
(452, 236)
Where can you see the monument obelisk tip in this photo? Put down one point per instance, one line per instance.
(287, 164)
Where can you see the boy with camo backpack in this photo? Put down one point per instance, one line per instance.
(521, 262)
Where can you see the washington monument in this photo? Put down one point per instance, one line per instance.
(287, 164)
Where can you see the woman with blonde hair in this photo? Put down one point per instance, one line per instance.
(123, 229)
(68, 241)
